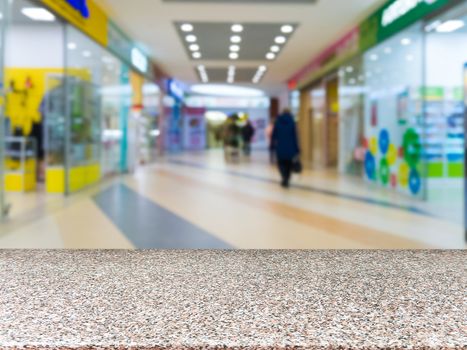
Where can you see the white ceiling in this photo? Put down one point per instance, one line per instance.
(151, 22)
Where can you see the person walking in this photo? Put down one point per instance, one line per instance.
(248, 132)
(285, 142)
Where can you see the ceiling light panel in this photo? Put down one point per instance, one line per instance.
(254, 40)
(221, 75)
(38, 14)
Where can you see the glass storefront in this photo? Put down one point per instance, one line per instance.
(34, 95)
(445, 58)
(68, 101)
(99, 98)
(394, 130)
(402, 110)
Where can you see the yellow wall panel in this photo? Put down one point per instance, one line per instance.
(13, 182)
(55, 180)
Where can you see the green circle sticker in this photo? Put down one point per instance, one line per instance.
(412, 148)
(384, 172)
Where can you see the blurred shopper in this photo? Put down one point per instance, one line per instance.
(231, 138)
(285, 142)
(272, 151)
(248, 132)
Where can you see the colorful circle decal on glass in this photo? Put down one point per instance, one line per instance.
(404, 173)
(384, 172)
(370, 165)
(412, 148)
(415, 182)
(373, 146)
(393, 154)
(384, 141)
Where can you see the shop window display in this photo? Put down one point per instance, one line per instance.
(34, 95)
(394, 133)
(445, 58)
(98, 106)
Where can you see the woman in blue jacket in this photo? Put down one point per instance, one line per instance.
(285, 142)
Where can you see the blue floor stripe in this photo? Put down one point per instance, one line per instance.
(361, 199)
(150, 226)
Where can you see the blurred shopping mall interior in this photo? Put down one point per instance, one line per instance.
(151, 124)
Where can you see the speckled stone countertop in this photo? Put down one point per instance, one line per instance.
(233, 299)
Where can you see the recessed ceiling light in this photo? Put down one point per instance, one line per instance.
(234, 48)
(287, 29)
(270, 56)
(280, 39)
(237, 28)
(406, 41)
(226, 90)
(87, 53)
(191, 38)
(349, 69)
(194, 47)
(387, 50)
(374, 57)
(197, 55)
(233, 55)
(450, 26)
(275, 48)
(187, 27)
(38, 14)
(72, 46)
(236, 39)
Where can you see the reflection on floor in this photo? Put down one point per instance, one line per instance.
(198, 201)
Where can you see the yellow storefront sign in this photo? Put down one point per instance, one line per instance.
(95, 25)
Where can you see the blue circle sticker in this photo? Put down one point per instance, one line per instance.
(415, 182)
(370, 166)
(384, 141)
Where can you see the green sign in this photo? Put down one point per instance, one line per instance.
(393, 17)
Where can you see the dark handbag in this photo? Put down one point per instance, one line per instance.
(297, 165)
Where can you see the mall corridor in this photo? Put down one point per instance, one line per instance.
(196, 200)
(233, 174)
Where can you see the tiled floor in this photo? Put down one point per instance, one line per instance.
(198, 201)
